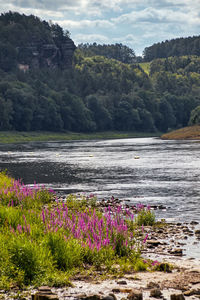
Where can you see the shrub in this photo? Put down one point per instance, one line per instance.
(145, 217)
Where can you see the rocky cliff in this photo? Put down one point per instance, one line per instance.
(45, 55)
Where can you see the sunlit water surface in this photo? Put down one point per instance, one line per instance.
(146, 170)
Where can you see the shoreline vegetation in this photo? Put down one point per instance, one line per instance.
(186, 133)
(52, 245)
(46, 241)
(7, 137)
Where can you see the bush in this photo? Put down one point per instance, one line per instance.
(145, 217)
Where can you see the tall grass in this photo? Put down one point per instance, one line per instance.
(44, 241)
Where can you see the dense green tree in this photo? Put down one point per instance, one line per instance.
(195, 116)
(168, 118)
(105, 89)
(117, 51)
(100, 114)
(174, 47)
(6, 113)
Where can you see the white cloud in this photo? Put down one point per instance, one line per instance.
(91, 38)
(152, 15)
(70, 24)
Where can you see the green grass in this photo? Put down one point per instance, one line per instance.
(146, 67)
(7, 137)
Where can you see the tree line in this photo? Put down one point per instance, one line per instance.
(100, 93)
(174, 47)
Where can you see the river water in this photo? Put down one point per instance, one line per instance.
(138, 170)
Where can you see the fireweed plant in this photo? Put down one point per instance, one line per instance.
(44, 241)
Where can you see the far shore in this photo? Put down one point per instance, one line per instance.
(186, 133)
(7, 137)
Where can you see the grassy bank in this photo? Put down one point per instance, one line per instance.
(186, 133)
(18, 137)
(45, 242)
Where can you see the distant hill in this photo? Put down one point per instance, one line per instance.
(187, 133)
(174, 47)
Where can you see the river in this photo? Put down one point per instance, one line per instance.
(137, 170)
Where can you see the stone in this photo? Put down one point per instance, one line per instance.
(110, 297)
(44, 293)
(197, 232)
(153, 243)
(44, 289)
(189, 293)
(125, 290)
(177, 252)
(116, 290)
(177, 297)
(92, 297)
(81, 296)
(156, 293)
(135, 295)
(121, 282)
(41, 296)
(194, 223)
(151, 285)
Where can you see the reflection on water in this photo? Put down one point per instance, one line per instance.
(167, 172)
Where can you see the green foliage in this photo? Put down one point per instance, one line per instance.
(66, 254)
(174, 47)
(30, 258)
(118, 51)
(195, 116)
(145, 217)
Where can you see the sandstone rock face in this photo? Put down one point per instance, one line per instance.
(39, 55)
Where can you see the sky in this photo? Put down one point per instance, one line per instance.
(135, 23)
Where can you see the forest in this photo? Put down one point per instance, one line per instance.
(105, 87)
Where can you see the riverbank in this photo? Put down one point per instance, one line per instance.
(80, 247)
(19, 137)
(177, 277)
(186, 133)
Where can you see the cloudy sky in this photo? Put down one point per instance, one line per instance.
(135, 23)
